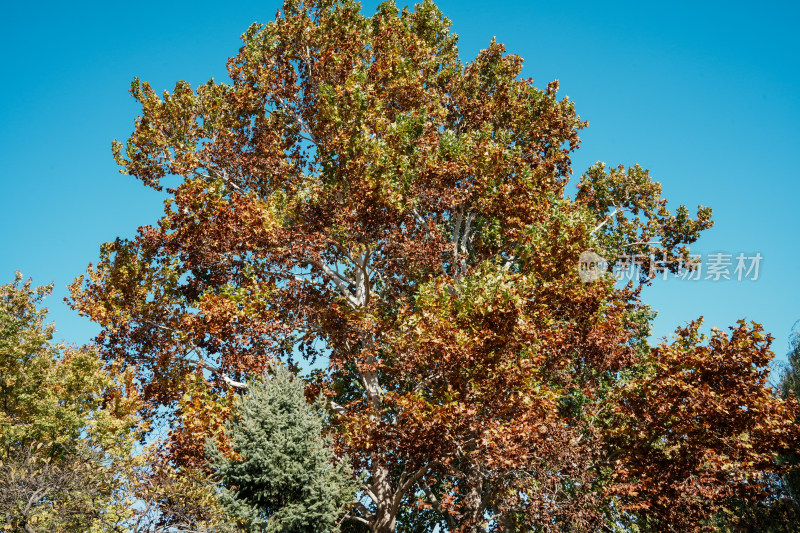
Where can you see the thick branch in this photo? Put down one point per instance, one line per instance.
(436, 503)
(300, 122)
(341, 282)
(605, 221)
(406, 482)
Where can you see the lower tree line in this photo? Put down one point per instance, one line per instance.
(74, 456)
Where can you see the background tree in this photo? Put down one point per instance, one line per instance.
(281, 474)
(699, 430)
(175, 500)
(790, 379)
(359, 197)
(68, 432)
(780, 512)
(67, 425)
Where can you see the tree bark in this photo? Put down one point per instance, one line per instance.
(473, 500)
(385, 515)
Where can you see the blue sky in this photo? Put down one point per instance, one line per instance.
(705, 96)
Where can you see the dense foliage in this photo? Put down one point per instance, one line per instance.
(69, 459)
(359, 198)
(66, 425)
(281, 475)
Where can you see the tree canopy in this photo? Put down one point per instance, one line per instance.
(360, 198)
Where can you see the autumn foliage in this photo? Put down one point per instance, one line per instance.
(359, 198)
(700, 428)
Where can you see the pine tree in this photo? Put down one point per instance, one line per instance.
(283, 476)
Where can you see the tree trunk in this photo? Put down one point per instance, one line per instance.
(385, 515)
(473, 506)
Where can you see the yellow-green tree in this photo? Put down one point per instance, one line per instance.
(68, 425)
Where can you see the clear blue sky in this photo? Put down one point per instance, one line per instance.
(705, 96)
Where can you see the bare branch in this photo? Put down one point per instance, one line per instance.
(341, 282)
(406, 482)
(456, 235)
(296, 116)
(218, 372)
(338, 409)
(605, 220)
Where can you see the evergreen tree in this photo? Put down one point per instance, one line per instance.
(282, 475)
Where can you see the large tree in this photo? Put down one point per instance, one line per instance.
(359, 197)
